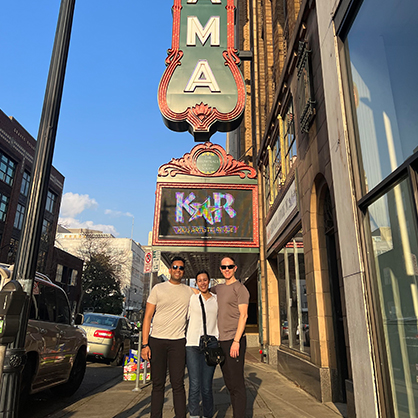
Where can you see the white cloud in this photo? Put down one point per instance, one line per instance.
(117, 213)
(73, 204)
(68, 222)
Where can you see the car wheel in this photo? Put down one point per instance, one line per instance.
(76, 377)
(117, 361)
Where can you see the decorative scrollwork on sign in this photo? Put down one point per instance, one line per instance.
(207, 160)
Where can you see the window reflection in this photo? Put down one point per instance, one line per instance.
(396, 250)
(383, 69)
(293, 302)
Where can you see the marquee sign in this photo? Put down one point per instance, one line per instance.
(202, 89)
(206, 199)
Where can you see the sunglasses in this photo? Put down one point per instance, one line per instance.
(230, 267)
(181, 268)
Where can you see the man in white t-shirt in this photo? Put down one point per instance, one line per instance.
(167, 307)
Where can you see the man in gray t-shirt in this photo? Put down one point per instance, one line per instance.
(165, 343)
(233, 300)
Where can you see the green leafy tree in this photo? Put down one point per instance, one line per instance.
(101, 286)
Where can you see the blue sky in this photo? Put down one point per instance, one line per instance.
(111, 139)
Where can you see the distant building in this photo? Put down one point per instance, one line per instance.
(127, 253)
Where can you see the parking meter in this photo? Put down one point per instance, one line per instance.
(12, 299)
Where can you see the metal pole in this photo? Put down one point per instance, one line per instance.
(27, 255)
(138, 362)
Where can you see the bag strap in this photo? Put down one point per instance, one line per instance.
(203, 315)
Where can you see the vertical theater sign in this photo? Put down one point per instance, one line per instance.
(202, 89)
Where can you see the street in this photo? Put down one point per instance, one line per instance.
(99, 377)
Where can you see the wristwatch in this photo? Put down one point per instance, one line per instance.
(144, 346)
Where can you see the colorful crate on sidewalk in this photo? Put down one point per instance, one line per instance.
(130, 367)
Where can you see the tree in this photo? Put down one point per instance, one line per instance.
(101, 287)
(103, 273)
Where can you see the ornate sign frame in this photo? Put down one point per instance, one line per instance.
(202, 119)
(207, 172)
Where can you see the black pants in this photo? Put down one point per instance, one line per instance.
(233, 372)
(173, 353)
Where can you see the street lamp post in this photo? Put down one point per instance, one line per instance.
(26, 260)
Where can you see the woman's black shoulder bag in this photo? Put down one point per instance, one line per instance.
(209, 344)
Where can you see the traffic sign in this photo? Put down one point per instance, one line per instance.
(148, 262)
(156, 256)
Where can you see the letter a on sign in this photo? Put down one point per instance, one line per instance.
(202, 89)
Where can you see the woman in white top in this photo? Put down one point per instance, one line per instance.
(200, 374)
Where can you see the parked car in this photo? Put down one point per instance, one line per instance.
(56, 347)
(305, 334)
(109, 336)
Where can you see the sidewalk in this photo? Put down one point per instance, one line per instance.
(269, 395)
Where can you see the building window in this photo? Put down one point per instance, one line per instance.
(46, 228)
(4, 200)
(58, 276)
(20, 215)
(24, 187)
(293, 300)
(73, 279)
(282, 157)
(382, 74)
(289, 151)
(41, 263)
(50, 201)
(7, 169)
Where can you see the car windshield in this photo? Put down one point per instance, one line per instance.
(100, 320)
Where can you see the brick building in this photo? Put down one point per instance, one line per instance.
(17, 151)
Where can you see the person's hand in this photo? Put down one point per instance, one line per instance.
(234, 351)
(146, 353)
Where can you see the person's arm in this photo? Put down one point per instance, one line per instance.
(243, 315)
(146, 326)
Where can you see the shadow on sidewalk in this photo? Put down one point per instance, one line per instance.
(139, 410)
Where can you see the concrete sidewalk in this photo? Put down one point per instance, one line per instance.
(269, 395)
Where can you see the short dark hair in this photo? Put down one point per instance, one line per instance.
(177, 258)
(228, 256)
(202, 272)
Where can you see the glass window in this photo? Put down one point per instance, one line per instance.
(4, 201)
(24, 187)
(383, 69)
(46, 303)
(20, 215)
(46, 228)
(7, 169)
(41, 263)
(73, 279)
(393, 227)
(50, 201)
(293, 301)
(63, 311)
(58, 276)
